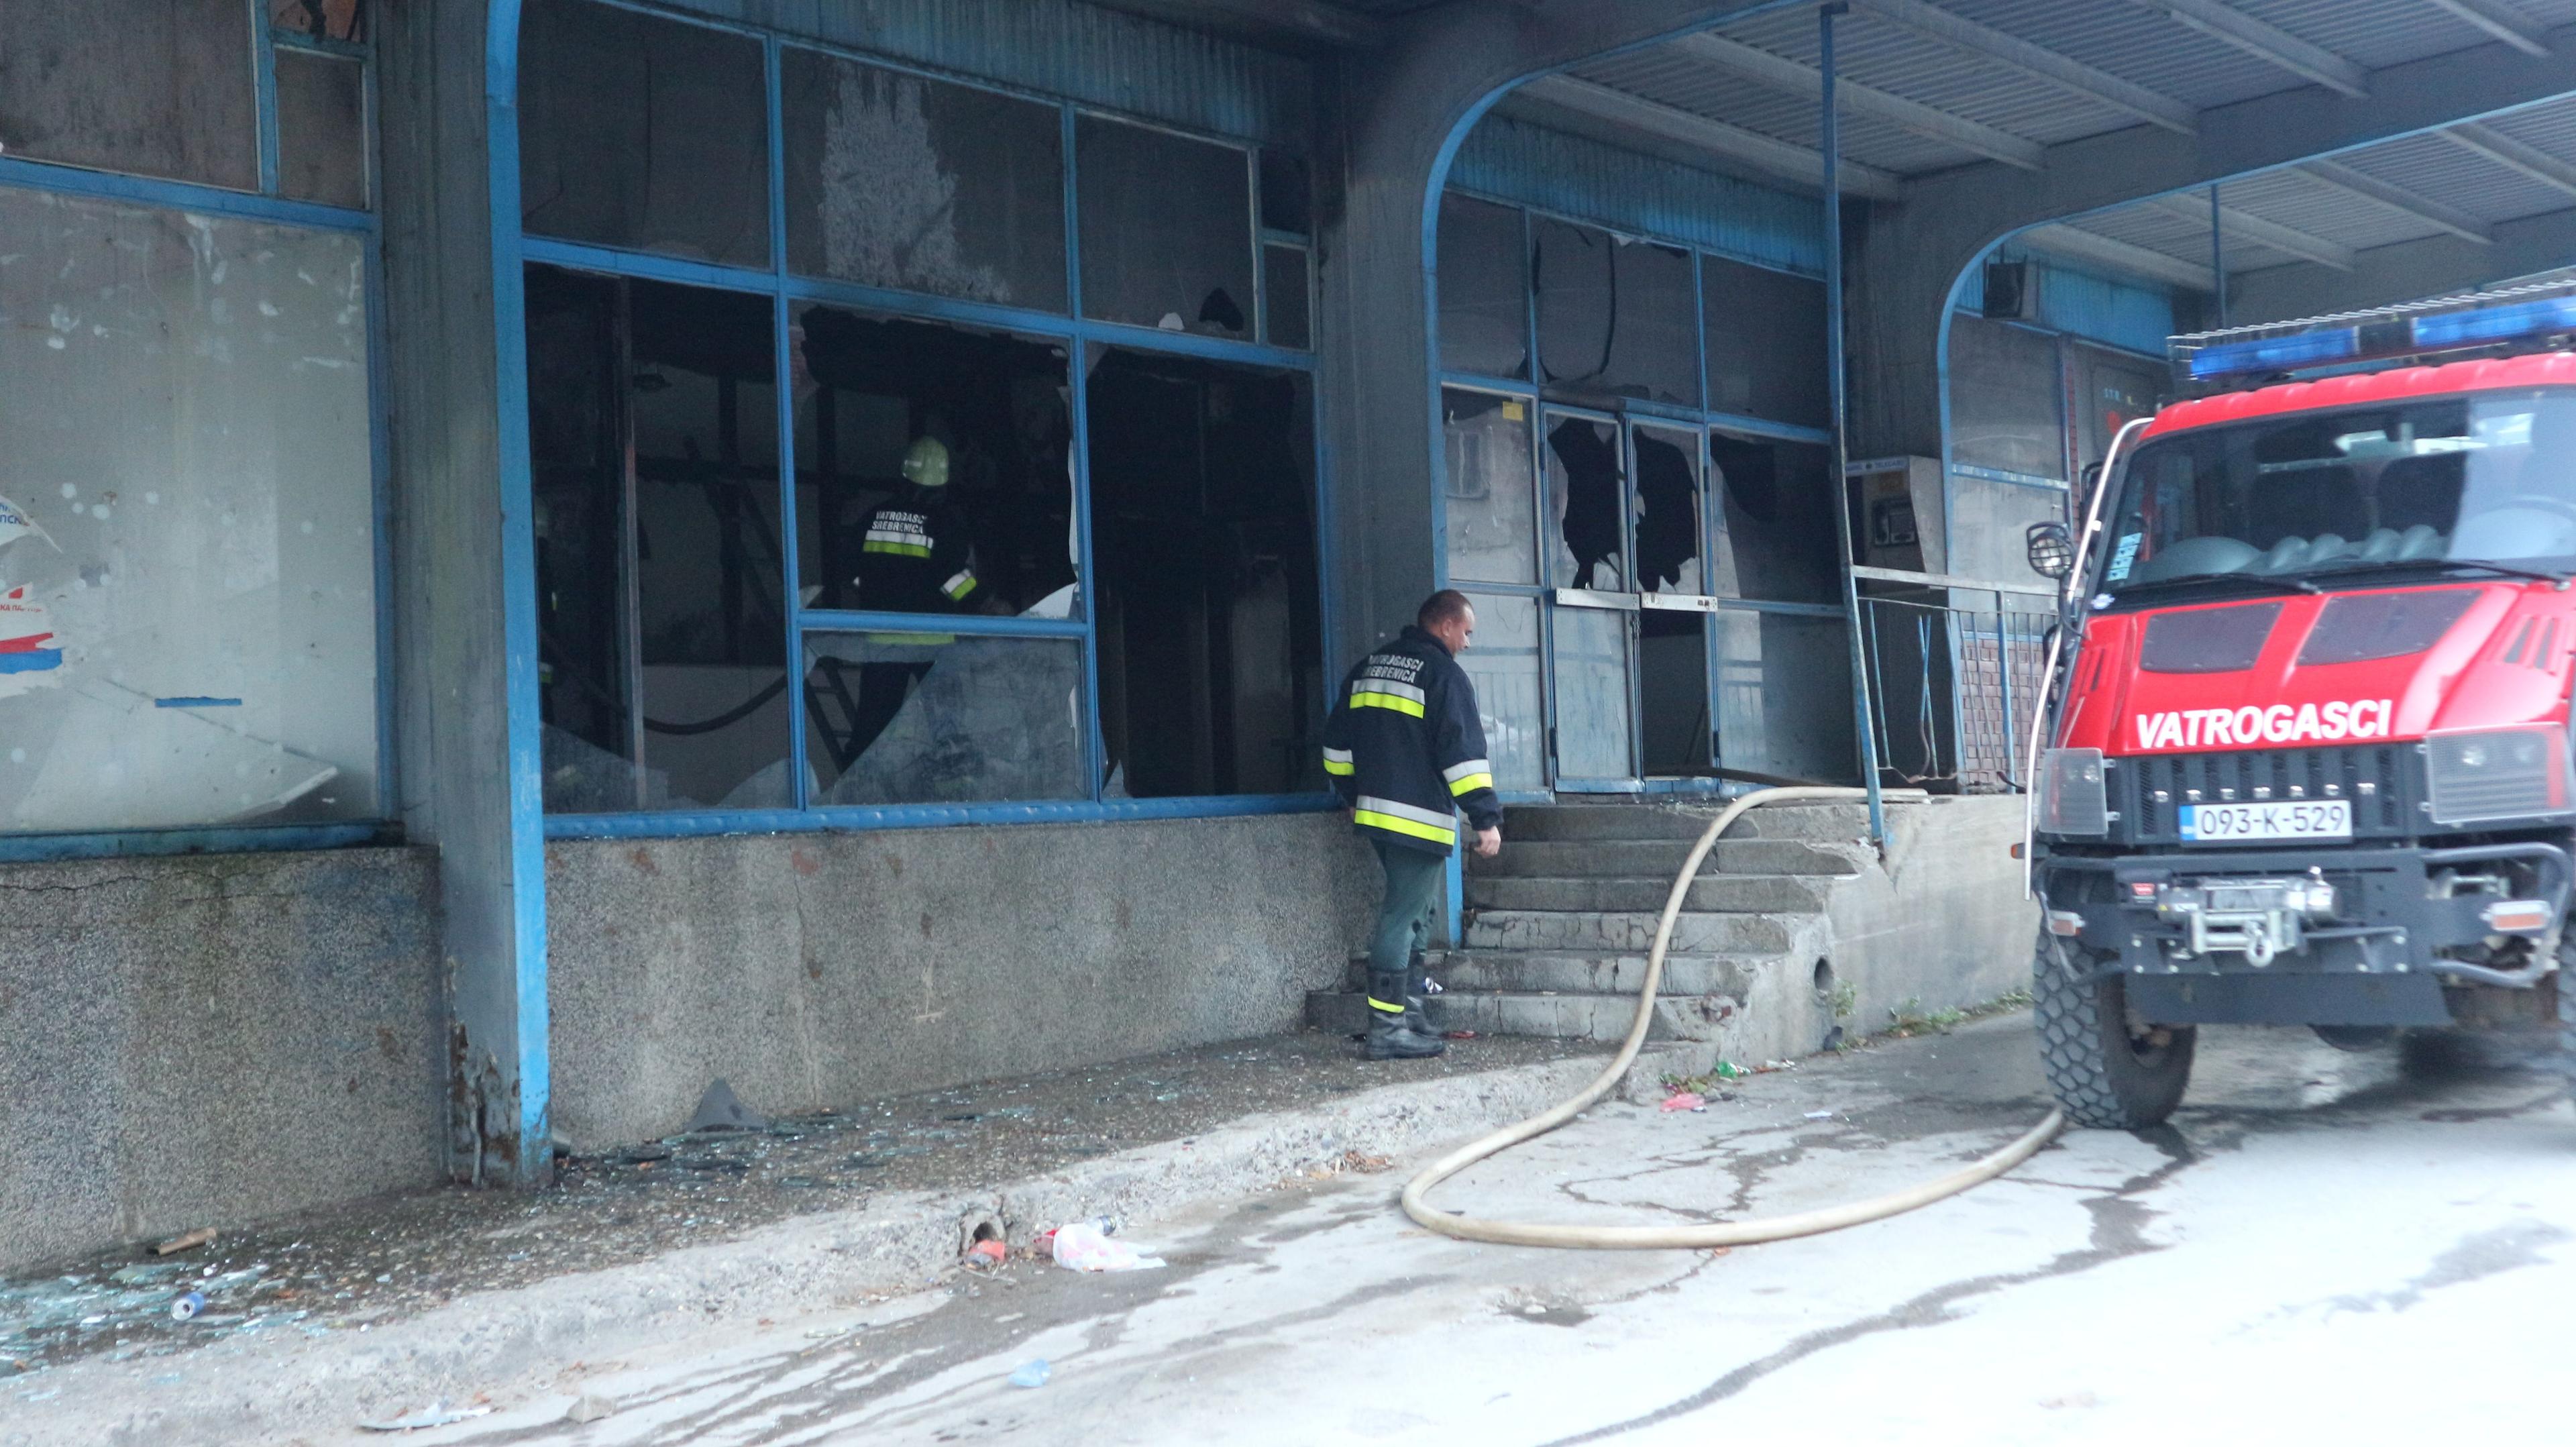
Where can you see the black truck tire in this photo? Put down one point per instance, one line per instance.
(2105, 1076)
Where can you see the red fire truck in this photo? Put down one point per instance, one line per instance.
(2309, 699)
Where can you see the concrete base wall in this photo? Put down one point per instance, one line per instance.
(810, 970)
(1943, 922)
(209, 1041)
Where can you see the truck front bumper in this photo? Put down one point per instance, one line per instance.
(2388, 915)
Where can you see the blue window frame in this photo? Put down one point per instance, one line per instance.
(335, 82)
(791, 291)
(1537, 400)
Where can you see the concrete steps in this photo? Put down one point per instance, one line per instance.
(1540, 973)
(1657, 859)
(1626, 932)
(1602, 1018)
(1563, 823)
(1709, 894)
(1559, 926)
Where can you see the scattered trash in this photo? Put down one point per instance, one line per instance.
(988, 1251)
(589, 1408)
(143, 1271)
(1085, 1246)
(1032, 1374)
(1820, 1115)
(644, 1155)
(1685, 1100)
(1728, 1070)
(719, 1110)
(436, 1414)
(187, 1307)
(1458, 1035)
(1833, 1040)
(185, 1241)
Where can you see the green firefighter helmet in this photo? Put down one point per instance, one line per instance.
(926, 464)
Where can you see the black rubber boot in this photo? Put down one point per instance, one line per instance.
(1390, 1037)
(1417, 997)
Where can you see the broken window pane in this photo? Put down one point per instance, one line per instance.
(577, 448)
(1776, 540)
(320, 19)
(1588, 517)
(167, 89)
(187, 537)
(653, 427)
(1492, 498)
(321, 128)
(1211, 639)
(1672, 692)
(642, 133)
(2005, 394)
(982, 522)
(1766, 343)
(1484, 289)
(933, 718)
(1166, 229)
(710, 629)
(900, 181)
(1615, 315)
(1668, 513)
(1784, 705)
(1504, 666)
(1283, 290)
(1284, 204)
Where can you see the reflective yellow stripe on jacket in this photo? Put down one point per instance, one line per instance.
(1468, 777)
(1338, 762)
(1398, 818)
(1386, 693)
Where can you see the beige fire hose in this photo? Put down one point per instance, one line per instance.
(1697, 1237)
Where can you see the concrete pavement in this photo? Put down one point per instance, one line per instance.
(2322, 1247)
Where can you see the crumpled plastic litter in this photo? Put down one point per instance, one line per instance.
(1820, 1115)
(436, 1414)
(1083, 1246)
(990, 1251)
(1032, 1374)
(1685, 1100)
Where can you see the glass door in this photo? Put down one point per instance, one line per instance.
(1592, 638)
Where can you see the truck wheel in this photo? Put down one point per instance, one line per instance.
(2108, 1071)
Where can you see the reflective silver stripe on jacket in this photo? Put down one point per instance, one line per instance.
(1455, 772)
(1442, 819)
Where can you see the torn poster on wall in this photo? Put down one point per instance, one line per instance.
(30, 656)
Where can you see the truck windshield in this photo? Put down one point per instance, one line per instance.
(2489, 477)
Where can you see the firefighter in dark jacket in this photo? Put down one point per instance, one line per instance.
(1406, 752)
(915, 556)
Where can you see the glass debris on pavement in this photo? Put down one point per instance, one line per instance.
(351, 1268)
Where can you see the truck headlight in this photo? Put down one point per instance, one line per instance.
(2072, 799)
(2496, 773)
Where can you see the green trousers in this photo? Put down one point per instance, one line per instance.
(1414, 880)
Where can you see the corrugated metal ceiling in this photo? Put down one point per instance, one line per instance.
(2147, 48)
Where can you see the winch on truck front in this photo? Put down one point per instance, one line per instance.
(2308, 699)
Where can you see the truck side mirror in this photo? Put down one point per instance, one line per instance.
(2051, 548)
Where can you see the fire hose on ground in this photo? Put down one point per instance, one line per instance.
(1701, 1236)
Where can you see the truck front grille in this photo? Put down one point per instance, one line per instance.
(2149, 791)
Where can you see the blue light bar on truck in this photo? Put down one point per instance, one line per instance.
(2522, 318)
(2276, 354)
(2497, 323)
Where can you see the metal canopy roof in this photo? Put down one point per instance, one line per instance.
(1930, 86)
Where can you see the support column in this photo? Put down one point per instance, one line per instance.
(462, 570)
